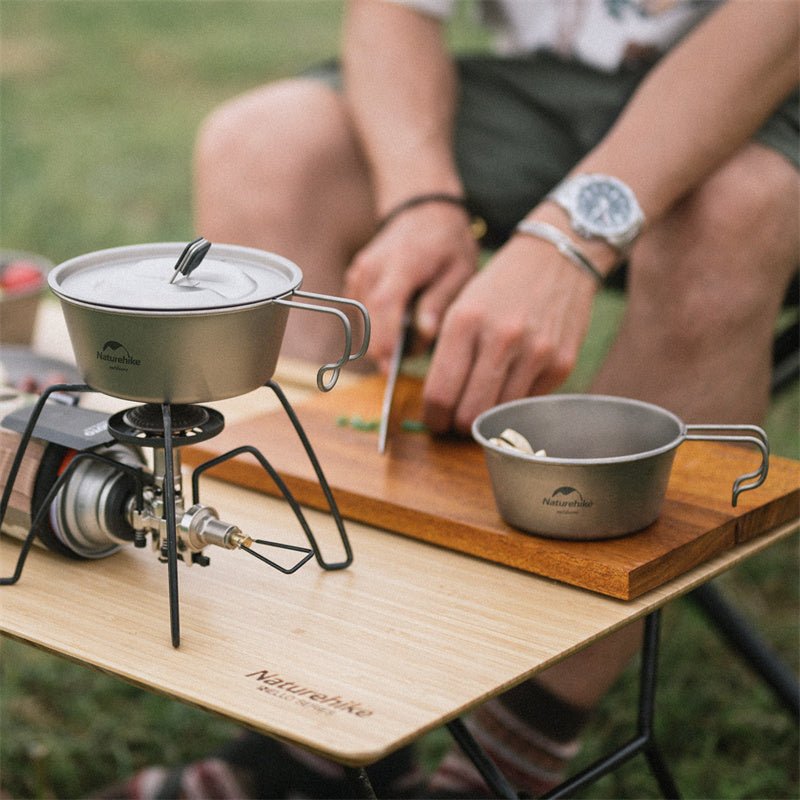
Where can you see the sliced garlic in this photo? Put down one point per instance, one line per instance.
(513, 440)
(516, 440)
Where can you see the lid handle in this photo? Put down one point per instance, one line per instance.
(190, 258)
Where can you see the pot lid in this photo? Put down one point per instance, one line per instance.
(138, 278)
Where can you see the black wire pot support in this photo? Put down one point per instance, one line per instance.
(286, 492)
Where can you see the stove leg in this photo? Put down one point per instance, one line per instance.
(172, 536)
(326, 490)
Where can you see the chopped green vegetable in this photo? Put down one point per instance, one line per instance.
(414, 426)
(358, 423)
(361, 424)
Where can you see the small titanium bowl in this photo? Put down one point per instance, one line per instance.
(607, 466)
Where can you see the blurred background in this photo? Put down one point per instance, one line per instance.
(99, 104)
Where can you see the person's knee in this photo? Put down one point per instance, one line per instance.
(280, 132)
(722, 259)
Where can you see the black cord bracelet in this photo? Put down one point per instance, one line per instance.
(477, 225)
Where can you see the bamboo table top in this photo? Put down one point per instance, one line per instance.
(351, 664)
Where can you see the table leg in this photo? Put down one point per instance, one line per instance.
(495, 779)
(647, 701)
(644, 741)
(360, 783)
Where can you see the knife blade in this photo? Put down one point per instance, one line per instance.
(400, 347)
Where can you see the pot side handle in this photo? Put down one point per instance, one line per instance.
(334, 367)
(741, 434)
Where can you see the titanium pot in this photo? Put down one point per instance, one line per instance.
(607, 465)
(140, 335)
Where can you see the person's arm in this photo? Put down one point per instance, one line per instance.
(400, 85)
(517, 328)
(401, 88)
(699, 105)
(703, 101)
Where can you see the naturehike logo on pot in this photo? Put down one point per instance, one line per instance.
(117, 355)
(567, 499)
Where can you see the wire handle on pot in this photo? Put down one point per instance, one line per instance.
(334, 367)
(737, 434)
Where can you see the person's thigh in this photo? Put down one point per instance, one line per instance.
(280, 169)
(523, 123)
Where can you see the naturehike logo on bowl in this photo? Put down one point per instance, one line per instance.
(567, 498)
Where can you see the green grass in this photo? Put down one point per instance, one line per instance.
(99, 104)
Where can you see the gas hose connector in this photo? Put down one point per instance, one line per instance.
(200, 525)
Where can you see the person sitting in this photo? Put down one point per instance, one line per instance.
(661, 135)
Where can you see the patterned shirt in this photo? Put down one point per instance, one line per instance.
(604, 34)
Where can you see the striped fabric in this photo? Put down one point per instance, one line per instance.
(529, 733)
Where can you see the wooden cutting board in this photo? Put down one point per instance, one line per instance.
(438, 490)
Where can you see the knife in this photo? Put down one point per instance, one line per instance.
(400, 347)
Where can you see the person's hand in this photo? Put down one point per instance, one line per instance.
(515, 330)
(428, 253)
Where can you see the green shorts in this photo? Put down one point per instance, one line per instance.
(523, 122)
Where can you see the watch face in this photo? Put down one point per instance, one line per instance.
(604, 207)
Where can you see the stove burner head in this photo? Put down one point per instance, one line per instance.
(148, 418)
(144, 425)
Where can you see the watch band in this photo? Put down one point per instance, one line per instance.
(564, 245)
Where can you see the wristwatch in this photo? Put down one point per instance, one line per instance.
(600, 207)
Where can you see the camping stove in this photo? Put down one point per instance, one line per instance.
(94, 492)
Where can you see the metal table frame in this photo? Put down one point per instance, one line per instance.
(642, 742)
(734, 630)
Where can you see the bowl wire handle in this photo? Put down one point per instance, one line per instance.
(740, 434)
(335, 366)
